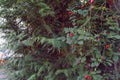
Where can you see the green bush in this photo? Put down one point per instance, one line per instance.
(62, 40)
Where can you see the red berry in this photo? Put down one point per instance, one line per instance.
(91, 1)
(110, 2)
(88, 77)
(119, 50)
(82, 6)
(70, 13)
(107, 46)
(71, 34)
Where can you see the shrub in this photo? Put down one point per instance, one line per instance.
(62, 40)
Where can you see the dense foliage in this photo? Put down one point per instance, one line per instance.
(62, 39)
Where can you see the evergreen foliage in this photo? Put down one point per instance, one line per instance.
(62, 39)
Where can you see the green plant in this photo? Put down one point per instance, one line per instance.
(62, 40)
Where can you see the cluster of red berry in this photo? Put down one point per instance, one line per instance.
(107, 46)
(71, 34)
(88, 77)
(70, 13)
(91, 1)
(110, 2)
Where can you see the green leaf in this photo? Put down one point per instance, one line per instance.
(83, 59)
(98, 55)
(66, 30)
(32, 1)
(69, 41)
(28, 42)
(65, 71)
(115, 58)
(94, 64)
(97, 77)
(83, 12)
(42, 68)
(43, 40)
(32, 77)
(80, 42)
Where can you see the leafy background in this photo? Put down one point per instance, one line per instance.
(62, 40)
